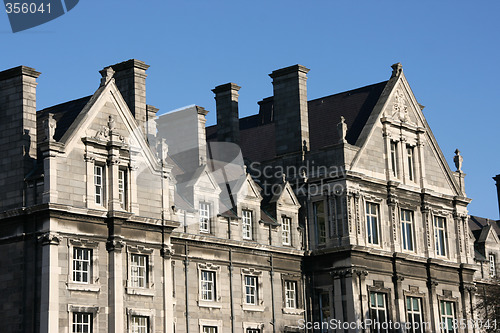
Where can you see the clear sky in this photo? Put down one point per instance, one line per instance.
(450, 51)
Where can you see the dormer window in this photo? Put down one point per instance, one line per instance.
(493, 265)
(411, 164)
(247, 221)
(99, 184)
(394, 158)
(122, 185)
(204, 217)
(286, 227)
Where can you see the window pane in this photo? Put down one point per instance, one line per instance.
(81, 264)
(138, 270)
(372, 223)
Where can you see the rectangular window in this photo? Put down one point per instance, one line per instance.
(372, 221)
(82, 265)
(82, 322)
(204, 217)
(447, 316)
(208, 285)
(407, 229)
(493, 266)
(253, 330)
(139, 324)
(138, 271)
(286, 227)
(394, 158)
(440, 235)
(411, 166)
(378, 311)
(414, 314)
(98, 184)
(209, 329)
(247, 222)
(251, 296)
(291, 294)
(320, 221)
(122, 183)
(324, 307)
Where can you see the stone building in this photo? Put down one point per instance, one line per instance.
(338, 209)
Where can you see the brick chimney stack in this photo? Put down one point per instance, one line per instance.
(17, 132)
(130, 77)
(228, 123)
(497, 183)
(290, 108)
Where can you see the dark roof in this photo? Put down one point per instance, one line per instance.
(64, 114)
(477, 224)
(257, 132)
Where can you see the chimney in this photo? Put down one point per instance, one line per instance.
(130, 77)
(290, 109)
(228, 123)
(17, 132)
(497, 180)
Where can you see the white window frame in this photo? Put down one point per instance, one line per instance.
(251, 289)
(82, 320)
(394, 158)
(407, 221)
(444, 317)
(410, 153)
(81, 256)
(122, 188)
(247, 224)
(411, 313)
(139, 270)
(208, 285)
(99, 184)
(321, 233)
(139, 324)
(210, 329)
(291, 294)
(286, 227)
(493, 266)
(204, 212)
(377, 308)
(371, 220)
(440, 236)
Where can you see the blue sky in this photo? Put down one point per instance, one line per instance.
(450, 53)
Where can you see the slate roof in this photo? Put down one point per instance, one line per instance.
(478, 224)
(257, 132)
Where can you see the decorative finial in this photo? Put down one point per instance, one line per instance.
(107, 74)
(283, 177)
(111, 123)
(397, 69)
(245, 168)
(342, 130)
(163, 149)
(304, 146)
(50, 127)
(458, 159)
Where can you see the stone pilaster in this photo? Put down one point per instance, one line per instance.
(168, 293)
(114, 246)
(49, 302)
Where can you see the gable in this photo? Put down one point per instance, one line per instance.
(249, 190)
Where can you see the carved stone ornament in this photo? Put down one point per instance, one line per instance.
(458, 160)
(103, 134)
(49, 126)
(167, 252)
(342, 130)
(50, 238)
(107, 74)
(400, 108)
(114, 245)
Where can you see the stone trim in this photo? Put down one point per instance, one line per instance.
(148, 313)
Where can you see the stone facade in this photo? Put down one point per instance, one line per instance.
(114, 219)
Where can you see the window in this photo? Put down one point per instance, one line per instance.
(247, 224)
(82, 322)
(251, 295)
(209, 329)
(319, 221)
(378, 311)
(324, 308)
(138, 270)
(407, 229)
(414, 314)
(372, 223)
(139, 324)
(411, 166)
(208, 285)
(394, 158)
(81, 265)
(291, 294)
(204, 217)
(98, 183)
(122, 183)
(253, 330)
(286, 226)
(493, 267)
(440, 235)
(447, 316)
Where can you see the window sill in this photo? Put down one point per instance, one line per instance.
(209, 304)
(74, 286)
(253, 308)
(292, 311)
(140, 291)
